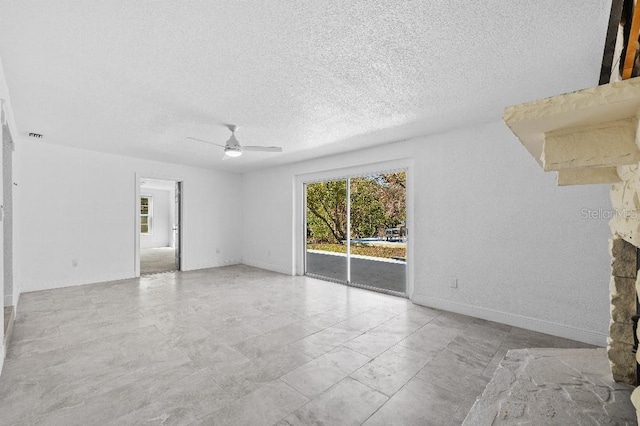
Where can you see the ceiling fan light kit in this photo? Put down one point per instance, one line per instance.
(233, 149)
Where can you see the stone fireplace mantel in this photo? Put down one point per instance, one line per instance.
(591, 137)
(584, 136)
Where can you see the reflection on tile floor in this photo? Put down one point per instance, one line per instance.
(239, 345)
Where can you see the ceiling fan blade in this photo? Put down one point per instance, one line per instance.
(202, 140)
(262, 148)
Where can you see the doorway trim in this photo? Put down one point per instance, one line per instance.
(6, 214)
(299, 214)
(183, 208)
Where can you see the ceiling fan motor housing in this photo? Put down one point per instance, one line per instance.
(233, 142)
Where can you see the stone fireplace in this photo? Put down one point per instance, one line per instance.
(622, 290)
(591, 137)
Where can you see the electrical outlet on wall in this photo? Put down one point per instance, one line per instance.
(454, 283)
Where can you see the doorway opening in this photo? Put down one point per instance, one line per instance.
(356, 231)
(160, 221)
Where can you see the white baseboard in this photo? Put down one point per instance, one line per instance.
(50, 285)
(268, 267)
(528, 323)
(16, 296)
(208, 265)
(2, 356)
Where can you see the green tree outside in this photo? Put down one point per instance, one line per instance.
(378, 202)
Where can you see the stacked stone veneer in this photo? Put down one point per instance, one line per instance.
(623, 307)
(624, 287)
(625, 226)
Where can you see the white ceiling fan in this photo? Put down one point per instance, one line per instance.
(233, 149)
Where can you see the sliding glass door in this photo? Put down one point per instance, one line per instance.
(326, 248)
(378, 232)
(371, 211)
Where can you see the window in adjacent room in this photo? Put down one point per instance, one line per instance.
(146, 214)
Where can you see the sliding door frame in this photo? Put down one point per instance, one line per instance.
(300, 204)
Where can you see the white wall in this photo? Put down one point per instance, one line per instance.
(6, 113)
(72, 204)
(3, 134)
(484, 213)
(161, 226)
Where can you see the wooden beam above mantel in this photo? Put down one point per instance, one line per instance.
(592, 128)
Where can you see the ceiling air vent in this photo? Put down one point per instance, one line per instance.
(35, 135)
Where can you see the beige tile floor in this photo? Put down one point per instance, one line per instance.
(243, 346)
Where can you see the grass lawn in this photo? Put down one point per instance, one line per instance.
(385, 252)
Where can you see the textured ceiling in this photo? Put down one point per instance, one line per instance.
(315, 77)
